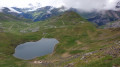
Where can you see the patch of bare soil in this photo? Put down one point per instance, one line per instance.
(66, 55)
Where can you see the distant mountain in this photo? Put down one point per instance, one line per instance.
(11, 12)
(8, 17)
(99, 18)
(118, 5)
(8, 10)
(67, 18)
(104, 17)
(40, 14)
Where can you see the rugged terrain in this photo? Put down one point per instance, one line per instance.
(104, 17)
(42, 13)
(81, 43)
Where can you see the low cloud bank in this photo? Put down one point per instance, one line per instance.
(82, 5)
(91, 5)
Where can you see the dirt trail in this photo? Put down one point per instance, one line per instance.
(11, 27)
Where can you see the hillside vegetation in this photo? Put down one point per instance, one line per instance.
(81, 44)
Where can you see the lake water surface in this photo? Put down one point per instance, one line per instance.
(31, 50)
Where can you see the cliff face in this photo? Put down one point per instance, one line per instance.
(105, 17)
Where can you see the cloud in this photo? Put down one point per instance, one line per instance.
(25, 3)
(90, 5)
(83, 5)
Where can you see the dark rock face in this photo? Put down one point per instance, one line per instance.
(105, 17)
(118, 5)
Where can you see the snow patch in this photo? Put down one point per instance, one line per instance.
(13, 10)
(49, 12)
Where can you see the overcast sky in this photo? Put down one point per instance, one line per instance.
(86, 5)
(24, 3)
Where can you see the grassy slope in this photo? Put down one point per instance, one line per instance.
(76, 36)
(10, 37)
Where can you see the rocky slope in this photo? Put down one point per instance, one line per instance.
(105, 17)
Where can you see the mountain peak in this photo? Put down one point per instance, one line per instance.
(8, 10)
